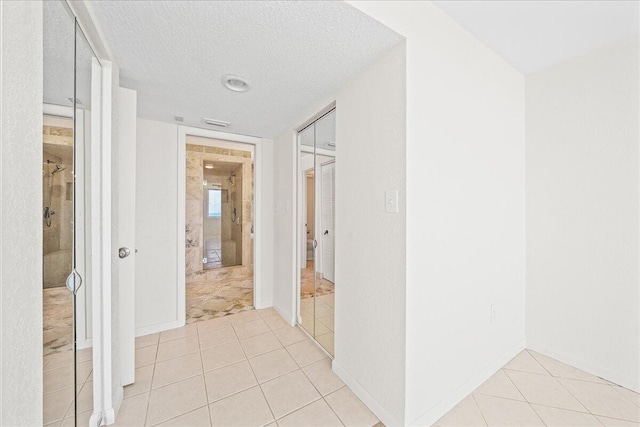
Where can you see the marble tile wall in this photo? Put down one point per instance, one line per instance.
(194, 226)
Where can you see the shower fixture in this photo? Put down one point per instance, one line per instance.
(48, 211)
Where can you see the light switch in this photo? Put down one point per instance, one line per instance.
(391, 201)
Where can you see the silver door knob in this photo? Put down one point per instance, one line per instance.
(123, 252)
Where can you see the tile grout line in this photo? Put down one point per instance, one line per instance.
(321, 395)
(204, 379)
(153, 373)
(256, 378)
(479, 409)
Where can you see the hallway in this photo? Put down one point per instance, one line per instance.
(246, 369)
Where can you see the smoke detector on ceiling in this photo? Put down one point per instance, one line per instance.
(235, 83)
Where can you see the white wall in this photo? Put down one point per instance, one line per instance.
(465, 208)
(156, 218)
(583, 287)
(370, 243)
(20, 211)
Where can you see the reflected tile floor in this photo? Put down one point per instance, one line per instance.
(222, 297)
(536, 390)
(246, 369)
(57, 307)
(323, 287)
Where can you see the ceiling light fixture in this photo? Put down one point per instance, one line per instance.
(208, 166)
(219, 123)
(235, 83)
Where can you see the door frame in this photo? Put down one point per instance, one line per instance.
(259, 226)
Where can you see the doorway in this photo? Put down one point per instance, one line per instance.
(219, 227)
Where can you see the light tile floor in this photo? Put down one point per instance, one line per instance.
(247, 369)
(535, 390)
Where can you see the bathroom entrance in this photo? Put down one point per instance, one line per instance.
(219, 228)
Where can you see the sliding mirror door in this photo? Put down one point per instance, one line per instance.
(316, 228)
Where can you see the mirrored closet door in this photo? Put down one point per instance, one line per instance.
(67, 341)
(316, 231)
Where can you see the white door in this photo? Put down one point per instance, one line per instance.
(124, 226)
(328, 218)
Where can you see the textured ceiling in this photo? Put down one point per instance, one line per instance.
(532, 35)
(293, 54)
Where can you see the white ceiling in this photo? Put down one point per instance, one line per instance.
(294, 54)
(532, 35)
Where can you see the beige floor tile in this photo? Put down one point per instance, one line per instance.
(613, 422)
(251, 328)
(182, 332)
(245, 409)
(213, 324)
(322, 376)
(501, 412)
(196, 418)
(84, 354)
(544, 390)
(217, 337)
(526, 363)
(83, 371)
(350, 409)
(289, 392)
(229, 380)
(59, 360)
(328, 299)
(177, 369)
(275, 322)
(85, 398)
(500, 385)
(83, 420)
(260, 344)
(554, 417)
(316, 414)
(323, 310)
(245, 316)
(147, 340)
(222, 355)
(56, 404)
(267, 312)
(57, 379)
(146, 356)
(290, 335)
(133, 411)
(328, 321)
(631, 395)
(273, 364)
(176, 399)
(464, 414)
(601, 399)
(305, 352)
(327, 341)
(178, 347)
(559, 369)
(142, 384)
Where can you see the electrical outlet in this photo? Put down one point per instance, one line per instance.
(493, 313)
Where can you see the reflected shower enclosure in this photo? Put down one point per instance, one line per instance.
(222, 214)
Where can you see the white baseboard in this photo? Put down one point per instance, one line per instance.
(264, 304)
(286, 316)
(580, 363)
(448, 402)
(152, 329)
(375, 407)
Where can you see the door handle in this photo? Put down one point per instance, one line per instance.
(326, 232)
(123, 252)
(315, 243)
